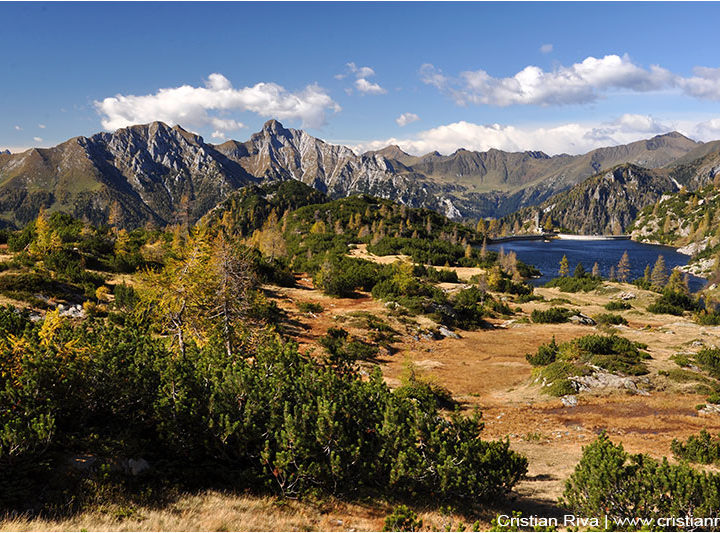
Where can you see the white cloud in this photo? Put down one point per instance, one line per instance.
(431, 75)
(37, 139)
(406, 118)
(17, 128)
(208, 106)
(15, 149)
(707, 130)
(579, 83)
(704, 84)
(573, 138)
(42, 126)
(546, 48)
(360, 72)
(364, 86)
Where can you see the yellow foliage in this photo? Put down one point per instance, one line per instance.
(122, 242)
(51, 324)
(102, 293)
(318, 227)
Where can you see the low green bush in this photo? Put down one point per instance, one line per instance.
(610, 319)
(629, 488)
(611, 352)
(673, 303)
(702, 448)
(402, 519)
(344, 349)
(525, 298)
(310, 307)
(617, 305)
(265, 417)
(709, 360)
(708, 318)
(554, 315)
(573, 284)
(546, 354)
(660, 308)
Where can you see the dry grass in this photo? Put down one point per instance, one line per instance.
(360, 251)
(215, 511)
(487, 369)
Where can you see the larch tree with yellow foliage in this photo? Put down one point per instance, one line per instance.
(46, 239)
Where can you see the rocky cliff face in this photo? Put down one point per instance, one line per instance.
(278, 153)
(604, 204)
(690, 218)
(149, 170)
(155, 172)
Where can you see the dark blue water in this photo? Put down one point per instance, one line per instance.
(546, 256)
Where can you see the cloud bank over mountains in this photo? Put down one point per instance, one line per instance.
(580, 83)
(216, 105)
(571, 138)
(211, 105)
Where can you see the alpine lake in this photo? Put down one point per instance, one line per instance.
(546, 256)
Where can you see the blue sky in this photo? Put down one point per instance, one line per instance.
(550, 76)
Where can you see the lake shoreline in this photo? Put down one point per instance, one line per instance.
(545, 254)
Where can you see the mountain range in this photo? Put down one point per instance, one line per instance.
(157, 173)
(610, 201)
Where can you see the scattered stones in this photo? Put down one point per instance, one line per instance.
(627, 296)
(445, 332)
(137, 466)
(694, 247)
(605, 380)
(582, 319)
(74, 311)
(569, 400)
(710, 409)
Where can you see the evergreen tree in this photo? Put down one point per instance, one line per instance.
(579, 271)
(46, 239)
(564, 266)
(677, 282)
(114, 215)
(667, 225)
(659, 277)
(623, 267)
(548, 225)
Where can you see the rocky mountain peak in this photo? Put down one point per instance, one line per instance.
(273, 127)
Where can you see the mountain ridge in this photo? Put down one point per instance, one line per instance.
(159, 174)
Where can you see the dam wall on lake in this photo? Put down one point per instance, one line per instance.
(563, 236)
(572, 237)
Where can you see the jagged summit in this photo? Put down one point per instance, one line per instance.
(152, 169)
(273, 126)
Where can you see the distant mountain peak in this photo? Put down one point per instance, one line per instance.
(150, 168)
(273, 126)
(674, 135)
(392, 151)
